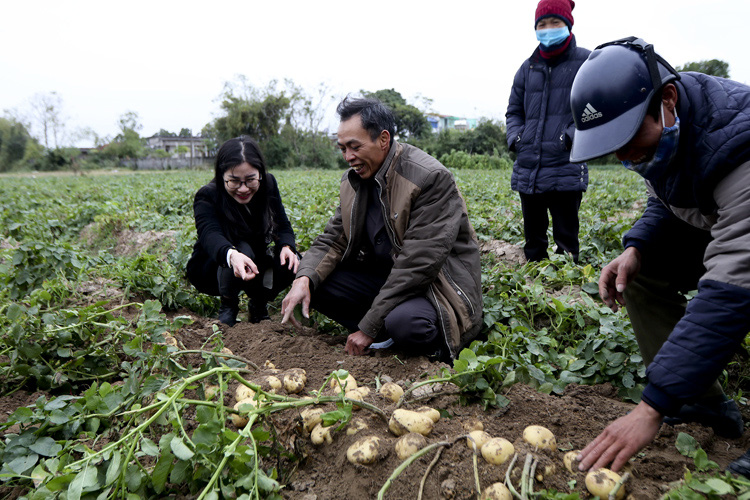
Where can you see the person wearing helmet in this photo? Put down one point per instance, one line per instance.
(688, 135)
(540, 130)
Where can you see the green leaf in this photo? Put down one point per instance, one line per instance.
(686, 444)
(181, 450)
(84, 479)
(180, 472)
(719, 486)
(161, 472)
(46, 446)
(113, 469)
(149, 447)
(23, 463)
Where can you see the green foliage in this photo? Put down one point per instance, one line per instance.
(14, 139)
(706, 481)
(714, 67)
(128, 143)
(410, 121)
(488, 138)
(460, 159)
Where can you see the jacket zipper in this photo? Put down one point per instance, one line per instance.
(460, 291)
(386, 218)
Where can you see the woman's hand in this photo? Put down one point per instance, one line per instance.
(243, 266)
(289, 259)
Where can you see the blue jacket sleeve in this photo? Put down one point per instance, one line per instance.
(698, 349)
(654, 219)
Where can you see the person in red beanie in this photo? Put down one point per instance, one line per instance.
(540, 131)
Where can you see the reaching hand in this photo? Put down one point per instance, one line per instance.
(621, 439)
(243, 266)
(357, 343)
(616, 275)
(289, 258)
(298, 294)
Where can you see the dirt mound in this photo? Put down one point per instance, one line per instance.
(324, 472)
(508, 253)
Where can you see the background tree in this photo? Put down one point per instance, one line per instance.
(14, 141)
(46, 115)
(284, 120)
(411, 123)
(127, 144)
(185, 132)
(714, 67)
(165, 133)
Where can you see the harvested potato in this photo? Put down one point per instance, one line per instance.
(358, 394)
(473, 425)
(476, 440)
(355, 426)
(430, 412)
(541, 437)
(240, 420)
(391, 391)
(549, 470)
(496, 491)
(311, 418)
(226, 350)
(321, 435)
(269, 365)
(210, 391)
(408, 444)
(366, 450)
(497, 450)
(601, 481)
(272, 384)
(295, 380)
(343, 385)
(170, 340)
(243, 392)
(570, 461)
(405, 421)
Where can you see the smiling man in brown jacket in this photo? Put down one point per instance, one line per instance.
(399, 259)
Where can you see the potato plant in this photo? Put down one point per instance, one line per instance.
(543, 322)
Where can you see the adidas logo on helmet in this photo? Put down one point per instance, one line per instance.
(589, 113)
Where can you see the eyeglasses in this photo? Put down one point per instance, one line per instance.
(236, 183)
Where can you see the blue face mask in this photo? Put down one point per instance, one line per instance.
(552, 36)
(665, 151)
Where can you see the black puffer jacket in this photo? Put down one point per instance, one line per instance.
(540, 124)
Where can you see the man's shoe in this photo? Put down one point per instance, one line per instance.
(723, 417)
(258, 311)
(741, 466)
(228, 310)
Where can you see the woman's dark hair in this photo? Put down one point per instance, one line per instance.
(375, 115)
(233, 153)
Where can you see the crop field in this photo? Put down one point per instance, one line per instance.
(116, 381)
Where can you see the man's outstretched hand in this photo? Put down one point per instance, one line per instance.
(621, 439)
(357, 343)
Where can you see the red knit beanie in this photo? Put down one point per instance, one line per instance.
(557, 8)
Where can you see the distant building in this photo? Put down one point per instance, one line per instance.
(441, 122)
(196, 148)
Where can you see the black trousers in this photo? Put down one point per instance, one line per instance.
(563, 206)
(210, 278)
(348, 293)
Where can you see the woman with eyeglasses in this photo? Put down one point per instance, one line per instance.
(245, 241)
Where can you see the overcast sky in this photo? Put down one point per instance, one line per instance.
(168, 60)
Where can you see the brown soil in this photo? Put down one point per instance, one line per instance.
(575, 418)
